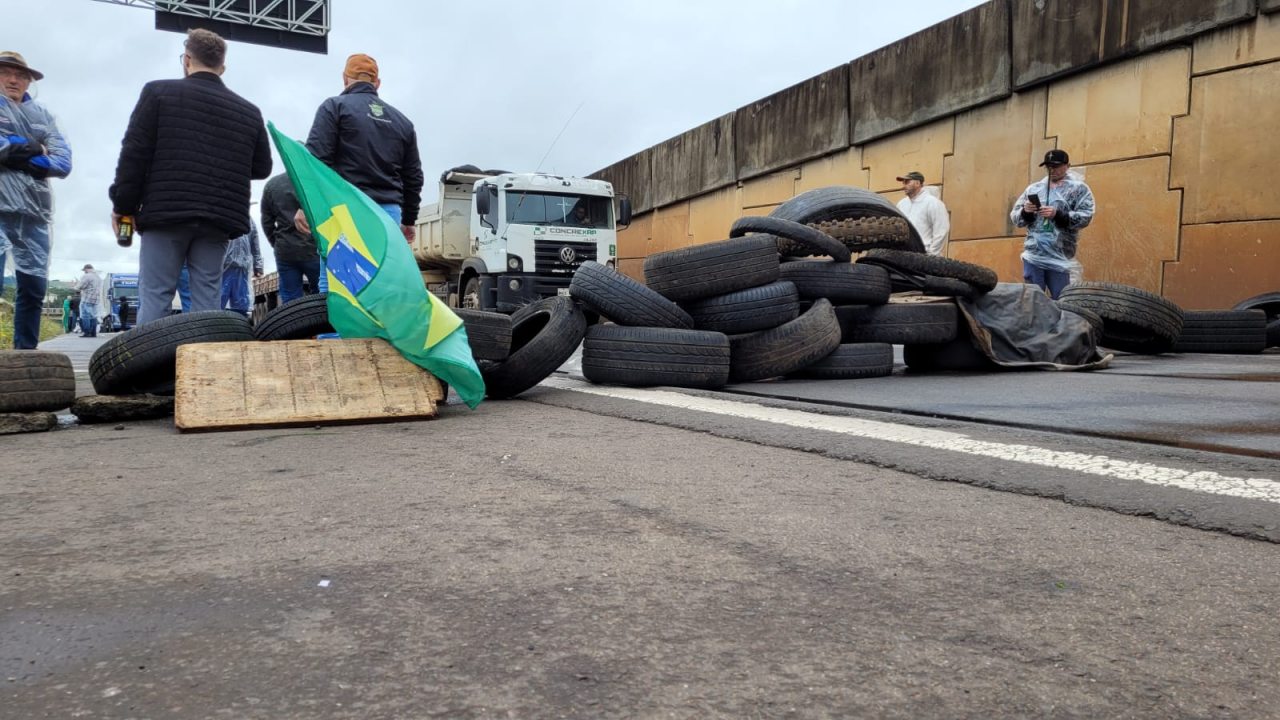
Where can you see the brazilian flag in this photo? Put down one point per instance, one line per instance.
(375, 289)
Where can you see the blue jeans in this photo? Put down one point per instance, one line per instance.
(184, 289)
(392, 210)
(291, 274)
(235, 290)
(1052, 280)
(89, 318)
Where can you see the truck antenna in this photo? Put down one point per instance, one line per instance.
(557, 139)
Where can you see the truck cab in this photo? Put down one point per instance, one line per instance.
(503, 240)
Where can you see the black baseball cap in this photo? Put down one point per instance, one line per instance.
(1056, 157)
(913, 175)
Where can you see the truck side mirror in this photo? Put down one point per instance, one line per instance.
(624, 212)
(482, 200)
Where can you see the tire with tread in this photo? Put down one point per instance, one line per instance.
(488, 333)
(745, 311)
(717, 268)
(298, 319)
(1268, 302)
(647, 356)
(839, 202)
(851, 361)
(899, 323)
(144, 359)
(1222, 331)
(983, 278)
(543, 337)
(1134, 320)
(804, 240)
(787, 348)
(841, 283)
(623, 300)
(35, 381)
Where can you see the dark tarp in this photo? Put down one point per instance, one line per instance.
(1018, 326)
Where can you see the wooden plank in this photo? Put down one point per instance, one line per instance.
(225, 386)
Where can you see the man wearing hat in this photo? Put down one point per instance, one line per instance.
(925, 212)
(1053, 211)
(370, 144)
(90, 289)
(32, 150)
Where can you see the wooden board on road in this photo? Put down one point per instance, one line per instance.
(223, 386)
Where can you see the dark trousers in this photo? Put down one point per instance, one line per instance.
(27, 302)
(1052, 280)
(291, 274)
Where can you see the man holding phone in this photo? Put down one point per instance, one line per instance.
(1053, 211)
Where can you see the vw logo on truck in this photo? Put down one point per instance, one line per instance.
(567, 255)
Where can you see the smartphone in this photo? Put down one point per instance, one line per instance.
(1034, 199)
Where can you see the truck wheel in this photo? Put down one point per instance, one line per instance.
(144, 359)
(543, 337)
(745, 311)
(838, 282)
(1222, 331)
(471, 293)
(35, 381)
(842, 203)
(1134, 320)
(717, 268)
(306, 317)
(850, 361)
(624, 300)
(898, 323)
(786, 348)
(983, 278)
(488, 333)
(804, 240)
(644, 356)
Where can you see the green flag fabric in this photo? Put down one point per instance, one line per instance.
(375, 289)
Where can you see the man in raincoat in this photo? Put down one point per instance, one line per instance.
(32, 150)
(1054, 211)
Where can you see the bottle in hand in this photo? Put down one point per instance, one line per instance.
(124, 235)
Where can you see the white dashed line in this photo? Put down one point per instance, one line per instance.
(1200, 480)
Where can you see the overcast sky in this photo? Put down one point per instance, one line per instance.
(490, 84)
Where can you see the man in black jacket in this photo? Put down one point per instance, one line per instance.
(190, 150)
(296, 254)
(370, 144)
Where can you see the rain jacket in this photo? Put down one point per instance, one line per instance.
(20, 192)
(1051, 244)
(243, 252)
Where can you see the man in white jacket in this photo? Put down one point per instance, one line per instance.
(925, 212)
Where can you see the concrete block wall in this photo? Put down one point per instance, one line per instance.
(1167, 108)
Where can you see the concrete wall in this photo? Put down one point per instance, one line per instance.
(1168, 108)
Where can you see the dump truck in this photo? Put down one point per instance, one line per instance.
(498, 240)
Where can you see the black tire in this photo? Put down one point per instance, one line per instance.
(299, 319)
(804, 239)
(745, 311)
(144, 359)
(1092, 317)
(488, 333)
(838, 282)
(1273, 334)
(786, 348)
(1268, 302)
(1133, 320)
(1222, 331)
(35, 381)
(713, 269)
(851, 361)
(841, 203)
(983, 278)
(623, 300)
(543, 337)
(859, 234)
(646, 356)
(899, 323)
(935, 286)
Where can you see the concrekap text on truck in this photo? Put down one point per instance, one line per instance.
(497, 240)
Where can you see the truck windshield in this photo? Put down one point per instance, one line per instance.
(587, 211)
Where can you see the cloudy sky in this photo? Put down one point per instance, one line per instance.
(490, 84)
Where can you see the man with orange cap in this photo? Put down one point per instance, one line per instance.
(370, 144)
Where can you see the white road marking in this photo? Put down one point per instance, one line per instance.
(1200, 480)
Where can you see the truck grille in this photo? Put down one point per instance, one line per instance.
(548, 259)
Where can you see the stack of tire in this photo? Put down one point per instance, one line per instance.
(1135, 321)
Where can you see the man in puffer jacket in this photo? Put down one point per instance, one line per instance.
(32, 150)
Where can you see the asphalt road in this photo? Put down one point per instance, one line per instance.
(590, 553)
